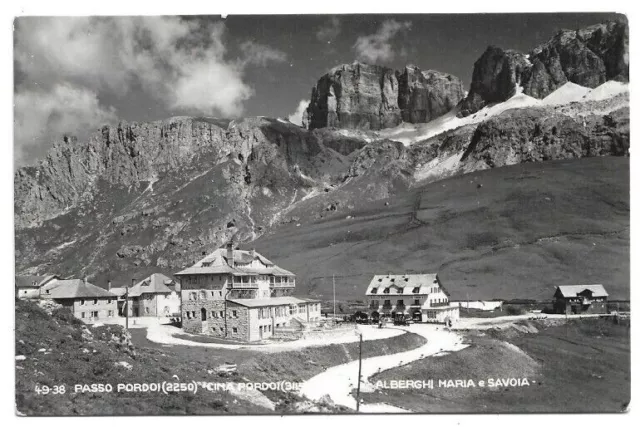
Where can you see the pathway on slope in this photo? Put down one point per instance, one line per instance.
(339, 381)
(164, 334)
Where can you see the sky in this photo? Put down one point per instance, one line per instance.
(74, 74)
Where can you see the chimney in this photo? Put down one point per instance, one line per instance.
(85, 280)
(253, 253)
(230, 259)
(109, 285)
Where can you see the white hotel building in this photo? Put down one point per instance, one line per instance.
(418, 296)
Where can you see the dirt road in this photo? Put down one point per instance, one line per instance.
(339, 381)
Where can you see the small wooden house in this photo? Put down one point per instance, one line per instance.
(577, 299)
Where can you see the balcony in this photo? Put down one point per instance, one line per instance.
(244, 283)
(438, 304)
(282, 284)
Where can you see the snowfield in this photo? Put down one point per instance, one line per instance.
(409, 133)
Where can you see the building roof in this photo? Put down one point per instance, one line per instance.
(157, 283)
(309, 299)
(572, 291)
(217, 262)
(76, 288)
(30, 281)
(407, 284)
(267, 302)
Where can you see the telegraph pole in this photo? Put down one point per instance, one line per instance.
(126, 302)
(334, 297)
(359, 374)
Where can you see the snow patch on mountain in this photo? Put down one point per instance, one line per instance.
(408, 133)
(567, 93)
(607, 90)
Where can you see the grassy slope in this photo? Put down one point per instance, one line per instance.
(582, 366)
(529, 228)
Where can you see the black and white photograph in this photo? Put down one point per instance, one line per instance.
(338, 213)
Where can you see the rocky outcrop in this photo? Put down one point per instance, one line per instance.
(533, 135)
(587, 57)
(361, 96)
(496, 75)
(125, 154)
(424, 96)
(355, 96)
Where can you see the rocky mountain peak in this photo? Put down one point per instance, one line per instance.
(363, 96)
(588, 57)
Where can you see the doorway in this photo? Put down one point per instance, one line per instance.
(203, 317)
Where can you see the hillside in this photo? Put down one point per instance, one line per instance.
(58, 349)
(509, 232)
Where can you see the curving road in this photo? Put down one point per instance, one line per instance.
(338, 382)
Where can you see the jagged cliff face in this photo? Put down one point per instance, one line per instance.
(424, 96)
(588, 57)
(124, 155)
(356, 96)
(361, 96)
(148, 196)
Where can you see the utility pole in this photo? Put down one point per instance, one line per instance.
(126, 302)
(334, 297)
(359, 374)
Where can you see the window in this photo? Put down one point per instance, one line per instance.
(110, 313)
(374, 290)
(146, 310)
(81, 302)
(234, 313)
(95, 301)
(82, 314)
(188, 314)
(235, 330)
(94, 314)
(416, 302)
(214, 314)
(400, 302)
(416, 290)
(193, 314)
(386, 290)
(221, 313)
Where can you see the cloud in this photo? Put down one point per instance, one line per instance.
(329, 30)
(378, 47)
(296, 116)
(260, 54)
(64, 109)
(182, 63)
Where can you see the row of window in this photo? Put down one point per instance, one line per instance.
(400, 302)
(214, 314)
(95, 301)
(94, 314)
(194, 296)
(204, 279)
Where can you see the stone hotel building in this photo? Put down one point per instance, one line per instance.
(241, 295)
